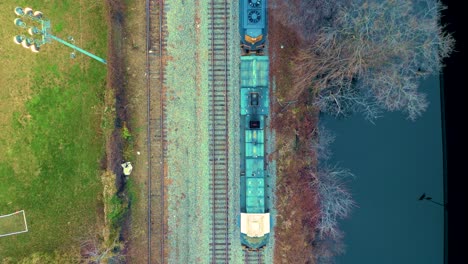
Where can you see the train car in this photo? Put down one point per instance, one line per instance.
(254, 109)
(253, 25)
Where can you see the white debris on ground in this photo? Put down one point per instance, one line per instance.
(127, 168)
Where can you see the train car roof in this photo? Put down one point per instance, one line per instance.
(255, 225)
(262, 96)
(254, 146)
(254, 71)
(255, 195)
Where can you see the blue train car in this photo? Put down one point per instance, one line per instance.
(254, 98)
(253, 25)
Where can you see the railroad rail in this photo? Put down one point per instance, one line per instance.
(219, 86)
(156, 131)
(253, 257)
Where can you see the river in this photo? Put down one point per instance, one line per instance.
(394, 162)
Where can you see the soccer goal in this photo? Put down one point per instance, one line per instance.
(12, 224)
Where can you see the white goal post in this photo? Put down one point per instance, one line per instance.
(14, 223)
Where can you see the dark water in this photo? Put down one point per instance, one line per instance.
(394, 161)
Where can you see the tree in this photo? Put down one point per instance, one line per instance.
(335, 200)
(341, 103)
(333, 196)
(95, 251)
(305, 16)
(373, 57)
(321, 142)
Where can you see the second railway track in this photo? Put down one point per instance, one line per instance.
(219, 103)
(156, 131)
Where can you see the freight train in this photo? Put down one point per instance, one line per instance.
(255, 218)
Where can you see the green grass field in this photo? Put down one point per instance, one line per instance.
(51, 137)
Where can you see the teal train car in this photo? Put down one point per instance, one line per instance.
(254, 109)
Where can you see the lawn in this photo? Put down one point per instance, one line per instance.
(51, 114)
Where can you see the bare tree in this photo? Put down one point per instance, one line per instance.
(374, 55)
(340, 102)
(396, 91)
(335, 203)
(335, 200)
(321, 142)
(96, 251)
(305, 16)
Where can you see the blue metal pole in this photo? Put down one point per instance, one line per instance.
(77, 48)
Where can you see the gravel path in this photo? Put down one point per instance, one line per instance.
(187, 135)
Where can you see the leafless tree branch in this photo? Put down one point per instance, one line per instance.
(373, 57)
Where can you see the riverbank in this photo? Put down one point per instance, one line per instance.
(294, 122)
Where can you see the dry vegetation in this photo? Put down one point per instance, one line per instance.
(297, 204)
(133, 49)
(295, 122)
(108, 246)
(115, 82)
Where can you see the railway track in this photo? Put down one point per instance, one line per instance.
(156, 132)
(253, 257)
(219, 161)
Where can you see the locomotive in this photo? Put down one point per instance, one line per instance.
(254, 109)
(253, 25)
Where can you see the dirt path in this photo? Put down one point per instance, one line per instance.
(133, 49)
